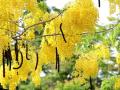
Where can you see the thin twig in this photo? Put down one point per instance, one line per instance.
(84, 33)
(43, 22)
(36, 24)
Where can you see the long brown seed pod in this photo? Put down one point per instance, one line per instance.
(62, 33)
(21, 61)
(99, 3)
(8, 56)
(91, 85)
(57, 60)
(16, 50)
(58, 64)
(3, 61)
(37, 59)
(27, 52)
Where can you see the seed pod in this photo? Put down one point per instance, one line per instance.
(21, 61)
(99, 3)
(27, 52)
(37, 59)
(8, 56)
(91, 85)
(57, 60)
(16, 50)
(3, 60)
(62, 33)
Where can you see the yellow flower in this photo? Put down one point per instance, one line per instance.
(36, 78)
(87, 66)
(113, 5)
(47, 53)
(78, 18)
(12, 86)
(84, 16)
(117, 84)
(118, 59)
(102, 51)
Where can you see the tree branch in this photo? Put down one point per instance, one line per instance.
(84, 33)
(36, 24)
(43, 22)
(105, 30)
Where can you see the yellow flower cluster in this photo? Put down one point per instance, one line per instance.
(87, 66)
(33, 17)
(36, 77)
(118, 58)
(29, 35)
(10, 78)
(4, 42)
(117, 84)
(80, 17)
(14, 76)
(13, 10)
(113, 5)
(47, 53)
(102, 51)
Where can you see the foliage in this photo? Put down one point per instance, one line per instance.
(35, 40)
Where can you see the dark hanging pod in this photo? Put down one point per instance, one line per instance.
(8, 56)
(16, 50)
(21, 61)
(91, 84)
(37, 59)
(23, 45)
(27, 52)
(57, 60)
(58, 64)
(62, 33)
(99, 3)
(3, 61)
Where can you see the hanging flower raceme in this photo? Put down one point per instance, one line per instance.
(63, 33)
(80, 17)
(117, 84)
(113, 5)
(102, 48)
(19, 70)
(4, 44)
(87, 66)
(20, 60)
(118, 58)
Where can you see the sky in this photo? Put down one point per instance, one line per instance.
(103, 10)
